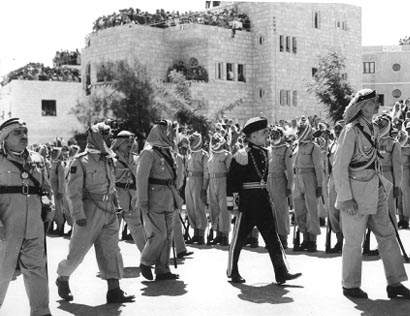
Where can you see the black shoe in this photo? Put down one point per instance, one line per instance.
(303, 246)
(210, 237)
(216, 240)
(146, 272)
(236, 278)
(405, 225)
(64, 290)
(312, 247)
(117, 296)
(201, 240)
(166, 276)
(370, 253)
(69, 233)
(283, 277)
(337, 248)
(400, 223)
(184, 254)
(354, 292)
(398, 291)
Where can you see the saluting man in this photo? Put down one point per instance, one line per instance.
(247, 178)
(125, 182)
(362, 193)
(94, 205)
(23, 180)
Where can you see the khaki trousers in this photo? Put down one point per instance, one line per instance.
(158, 230)
(220, 217)
(354, 228)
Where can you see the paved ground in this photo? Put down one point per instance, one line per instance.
(203, 289)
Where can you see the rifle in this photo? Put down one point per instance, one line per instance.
(328, 235)
(403, 251)
(173, 253)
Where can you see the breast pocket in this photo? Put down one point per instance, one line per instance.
(10, 177)
(95, 176)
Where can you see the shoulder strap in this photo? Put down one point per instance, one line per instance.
(22, 169)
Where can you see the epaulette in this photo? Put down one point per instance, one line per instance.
(241, 156)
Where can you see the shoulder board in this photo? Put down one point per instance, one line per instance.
(241, 156)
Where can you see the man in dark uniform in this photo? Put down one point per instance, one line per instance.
(246, 181)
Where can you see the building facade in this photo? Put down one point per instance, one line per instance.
(44, 105)
(267, 68)
(387, 70)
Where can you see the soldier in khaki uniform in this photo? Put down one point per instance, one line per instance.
(280, 181)
(94, 205)
(334, 213)
(125, 182)
(362, 198)
(21, 226)
(307, 186)
(196, 188)
(218, 167)
(158, 199)
(404, 214)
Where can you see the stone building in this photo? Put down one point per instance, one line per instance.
(267, 68)
(387, 70)
(44, 105)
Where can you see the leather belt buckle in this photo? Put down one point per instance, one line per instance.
(25, 189)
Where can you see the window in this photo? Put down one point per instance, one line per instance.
(261, 93)
(284, 96)
(294, 45)
(344, 76)
(229, 72)
(369, 67)
(241, 73)
(396, 93)
(381, 99)
(396, 67)
(316, 20)
(344, 26)
(261, 39)
(294, 98)
(314, 71)
(48, 108)
(219, 71)
(281, 44)
(288, 43)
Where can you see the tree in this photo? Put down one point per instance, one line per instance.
(330, 85)
(124, 94)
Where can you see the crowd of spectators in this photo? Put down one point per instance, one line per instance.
(37, 71)
(65, 57)
(227, 18)
(191, 71)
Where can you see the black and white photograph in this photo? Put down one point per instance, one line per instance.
(192, 157)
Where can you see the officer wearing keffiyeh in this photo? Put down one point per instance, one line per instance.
(21, 227)
(362, 198)
(247, 180)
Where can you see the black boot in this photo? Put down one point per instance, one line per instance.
(398, 291)
(355, 292)
(305, 243)
(117, 296)
(236, 278)
(64, 289)
(194, 239)
(224, 240)
(146, 272)
(281, 272)
(337, 248)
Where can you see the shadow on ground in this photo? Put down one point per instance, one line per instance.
(164, 288)
(396, 307)
(270, 293)
(86, 310)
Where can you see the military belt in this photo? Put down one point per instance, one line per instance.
(100, 197)
(130, 186)
(195, 174)
(166, 182)
(22, 189)
(253, 185)
(217, 175)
